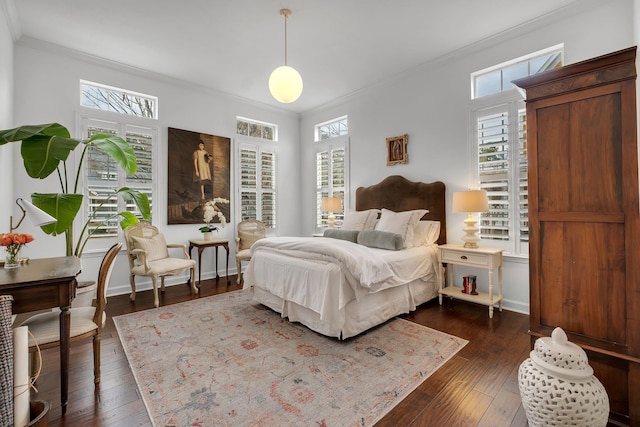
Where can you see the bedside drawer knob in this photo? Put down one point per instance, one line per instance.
(463, 257)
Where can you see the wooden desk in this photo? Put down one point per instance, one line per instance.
(41, 284)
(201, 245)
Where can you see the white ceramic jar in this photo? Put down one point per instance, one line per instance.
(557, 385)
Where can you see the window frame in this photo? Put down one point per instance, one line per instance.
(329, 145)
(513, 102)
(118, 91)
(259, 146)
(122, 124)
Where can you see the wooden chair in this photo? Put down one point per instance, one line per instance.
(149, 256)
(249, 231)
(85, 321)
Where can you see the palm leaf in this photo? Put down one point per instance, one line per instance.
(63, 207)
(118, 149)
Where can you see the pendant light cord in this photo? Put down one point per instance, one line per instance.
(285, 13)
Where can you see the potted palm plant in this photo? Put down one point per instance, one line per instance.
(45, 149)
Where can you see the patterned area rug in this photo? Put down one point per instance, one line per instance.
(224, 360)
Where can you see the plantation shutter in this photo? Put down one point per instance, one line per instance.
(104, 177)
(502, 172)
(330, 181)
(258, 185)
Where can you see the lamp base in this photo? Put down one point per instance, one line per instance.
(470, 238)
(331, 221)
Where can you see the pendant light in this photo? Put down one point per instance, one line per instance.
(285, 83)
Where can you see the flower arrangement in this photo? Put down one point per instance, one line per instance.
(210, 211)
(14, 242)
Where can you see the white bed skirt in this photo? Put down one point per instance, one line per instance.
(358, 315)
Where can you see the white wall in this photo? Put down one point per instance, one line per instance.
(6, 120)
(431, 104)
(47, 90)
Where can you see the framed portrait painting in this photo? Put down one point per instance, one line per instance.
(397, 150)
(198, 171)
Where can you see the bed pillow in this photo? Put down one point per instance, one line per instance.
(360, 220)
(401, 223)
(381, 240)
(426, 233)
(156, 246)
(247, 239)
(350, 235)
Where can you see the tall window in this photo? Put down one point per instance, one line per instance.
(500, 148)
(331, 166)
(257, 171)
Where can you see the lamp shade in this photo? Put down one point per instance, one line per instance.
(331, 204)
(285, 84)
(37, 216)
(470, 201)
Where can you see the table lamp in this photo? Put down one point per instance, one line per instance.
(470, 201)
(38, 216)
(331, 205)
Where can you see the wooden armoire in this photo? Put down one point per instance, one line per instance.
(584, 219)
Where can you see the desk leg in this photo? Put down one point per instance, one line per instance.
(217, 276)
(65, 330)
(491, 293)
(200, 249)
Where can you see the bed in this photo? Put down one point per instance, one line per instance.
(350, 280)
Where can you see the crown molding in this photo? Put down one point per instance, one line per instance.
(11, 17)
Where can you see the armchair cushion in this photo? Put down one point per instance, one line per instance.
(155, 247)
(164, 266)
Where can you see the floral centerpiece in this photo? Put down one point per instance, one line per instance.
(13, 243)
(210, 211)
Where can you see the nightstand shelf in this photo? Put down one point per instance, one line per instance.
(482, 257)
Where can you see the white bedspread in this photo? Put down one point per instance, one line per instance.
(335, 272)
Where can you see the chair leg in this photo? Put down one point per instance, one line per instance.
(154, 279)
(192, 272)
(132, 281)
(96, 359)
(162, 284)
(33, 368)
(239, 268)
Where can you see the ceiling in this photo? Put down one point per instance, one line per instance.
(338, 46)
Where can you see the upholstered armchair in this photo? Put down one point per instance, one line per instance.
(249, 231)
(149, 256)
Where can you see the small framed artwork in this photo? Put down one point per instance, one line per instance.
(397, 150)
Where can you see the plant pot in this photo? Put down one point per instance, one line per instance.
(208, 235)
(39, 413)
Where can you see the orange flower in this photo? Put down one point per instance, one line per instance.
(8, 239)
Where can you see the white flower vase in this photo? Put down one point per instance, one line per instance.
(557, 385)
(208, 235)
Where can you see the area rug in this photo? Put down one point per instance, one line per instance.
(227, 361)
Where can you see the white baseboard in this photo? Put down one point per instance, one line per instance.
(144, 283)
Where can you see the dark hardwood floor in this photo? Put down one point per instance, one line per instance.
(477, 387)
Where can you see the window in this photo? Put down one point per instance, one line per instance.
(332, 129)
(500, 149)
(498, 78)
(331, 166)
(256, 129)
(103, 176)
(257, 171)
(107, 98)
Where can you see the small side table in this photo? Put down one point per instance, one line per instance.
(201, 245)
(482, 257)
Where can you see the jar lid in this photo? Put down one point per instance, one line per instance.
(558, 357)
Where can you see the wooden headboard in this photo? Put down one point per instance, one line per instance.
(398, 194)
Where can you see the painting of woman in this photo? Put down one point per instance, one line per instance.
(202, 168)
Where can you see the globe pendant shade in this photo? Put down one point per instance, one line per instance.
(285, 84)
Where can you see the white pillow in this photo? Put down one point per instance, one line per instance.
(360, 220)
(401, 223)
(426, 233)
(156, 246)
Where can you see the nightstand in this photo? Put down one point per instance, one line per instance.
(482, 257)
